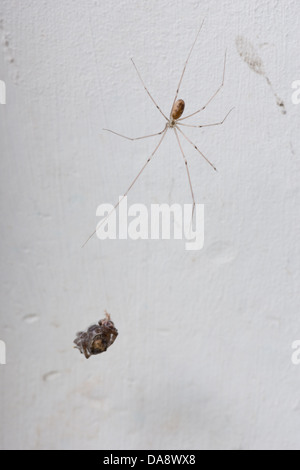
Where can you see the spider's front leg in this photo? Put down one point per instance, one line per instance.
(86, 351)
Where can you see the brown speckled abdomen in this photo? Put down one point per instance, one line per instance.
(177, 109)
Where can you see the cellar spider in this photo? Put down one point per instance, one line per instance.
(173, 122)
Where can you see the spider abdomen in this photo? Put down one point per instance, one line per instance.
(97, 338)
(177, 109)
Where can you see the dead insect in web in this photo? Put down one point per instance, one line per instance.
(175, 123)
(97, 338)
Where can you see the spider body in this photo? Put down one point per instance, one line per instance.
(97, 338)
(174, 122)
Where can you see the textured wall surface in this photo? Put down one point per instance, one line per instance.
(203, 357)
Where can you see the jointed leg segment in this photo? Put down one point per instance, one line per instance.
(174, 123)
(211, 99)
(140, 77)
(195, 147)
(206, 125)
(135, 138)
(186, 62)
(133, 182)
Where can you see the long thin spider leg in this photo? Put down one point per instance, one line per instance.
(207, 125)
(187, 170)
(213, 96)
(135, 138)
(133, 182)
(186, 62)
(113, 337)
(195, 146)
(140, 77)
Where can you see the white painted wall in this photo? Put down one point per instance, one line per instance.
(203, 358)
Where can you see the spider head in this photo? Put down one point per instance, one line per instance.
(177, 109)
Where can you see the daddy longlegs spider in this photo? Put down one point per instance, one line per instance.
(173, 122)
